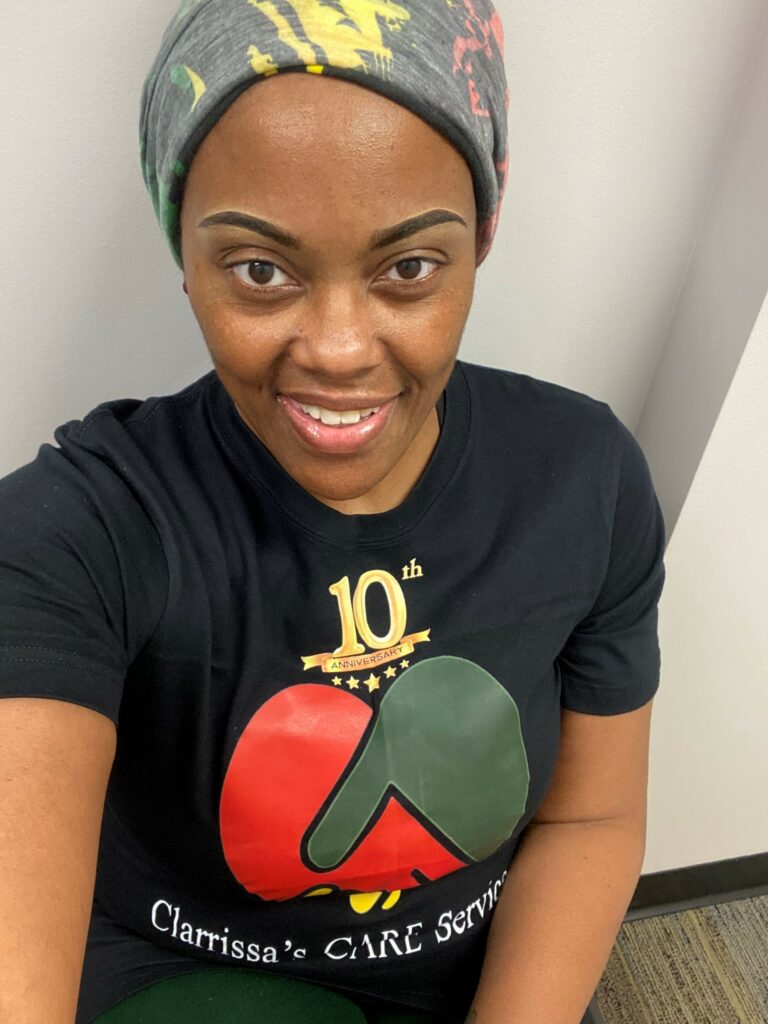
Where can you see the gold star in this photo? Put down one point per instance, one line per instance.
(352, 683)
(391, 672)
(372, 682)
(336, 680)
(404, 663)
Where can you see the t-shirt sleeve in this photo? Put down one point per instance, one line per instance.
(611, 662)
(78, 581)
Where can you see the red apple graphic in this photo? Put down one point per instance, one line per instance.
(289, 758)
(439, 781)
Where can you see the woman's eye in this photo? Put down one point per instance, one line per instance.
(259, 273)
(410, 269)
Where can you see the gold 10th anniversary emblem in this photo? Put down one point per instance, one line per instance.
(360, 647)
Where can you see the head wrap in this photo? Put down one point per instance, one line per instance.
(442, 59)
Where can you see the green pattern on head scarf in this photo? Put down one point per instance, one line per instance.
(441, 59)
(189, 82)
(169, 199)
(186, 7)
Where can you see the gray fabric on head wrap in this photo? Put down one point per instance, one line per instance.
(442, 59)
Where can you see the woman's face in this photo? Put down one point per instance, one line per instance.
(318, 293)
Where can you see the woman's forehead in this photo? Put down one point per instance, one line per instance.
(304, 139)
(293, 107)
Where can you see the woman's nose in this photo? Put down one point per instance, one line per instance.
(338, 336)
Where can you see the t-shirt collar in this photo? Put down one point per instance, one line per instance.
(258, 465)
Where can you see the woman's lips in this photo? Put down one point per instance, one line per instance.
(344, 439)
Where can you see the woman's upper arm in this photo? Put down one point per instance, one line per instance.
(55, 760)
(601, 773)
(610, 664)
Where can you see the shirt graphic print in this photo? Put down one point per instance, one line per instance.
(367, 780)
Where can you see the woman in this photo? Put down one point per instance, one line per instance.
(348, 649)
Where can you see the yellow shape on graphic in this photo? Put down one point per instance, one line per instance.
(362, 902)
(391, 900)
(322, 891)
(198, 85)
(343, 36)
(372, 682)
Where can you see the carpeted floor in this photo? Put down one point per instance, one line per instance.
(702, 966)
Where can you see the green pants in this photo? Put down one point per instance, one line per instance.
(234, 996)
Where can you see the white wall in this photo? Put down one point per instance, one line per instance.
(91, 305)
(621, 116)
(705, 432)
(709, 769)
(618, 117)
(723, 290)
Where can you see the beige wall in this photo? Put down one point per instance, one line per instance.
(620, 114)
(636, 160)
(705, 432)
(709, 766)
(721, 294)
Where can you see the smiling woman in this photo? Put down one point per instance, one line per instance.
(345, 652)
(335, 361)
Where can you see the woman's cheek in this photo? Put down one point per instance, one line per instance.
(237, 334)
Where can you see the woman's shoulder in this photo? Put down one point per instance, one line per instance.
(512, 403)
(111, 450)
(85, 525)
(523, 386)
(126, 417)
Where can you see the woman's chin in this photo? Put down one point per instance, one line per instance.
(361, 497)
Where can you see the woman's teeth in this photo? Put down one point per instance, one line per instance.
(337, 419)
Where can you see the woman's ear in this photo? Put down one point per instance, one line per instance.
(184, 286)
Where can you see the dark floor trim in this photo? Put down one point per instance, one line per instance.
(700, 885)
(593, 1014)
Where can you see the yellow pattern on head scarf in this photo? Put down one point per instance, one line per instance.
(262, 63)
(198, 85)
(343, 37)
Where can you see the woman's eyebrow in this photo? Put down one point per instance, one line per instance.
(250, 223)
(379, 240)
(386, 236)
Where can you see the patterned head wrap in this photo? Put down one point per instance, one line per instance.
(442, 59)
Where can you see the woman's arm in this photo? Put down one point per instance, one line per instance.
(572, 877)
(55, 760)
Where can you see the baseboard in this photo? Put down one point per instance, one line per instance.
(593, 1014)
(699, 885)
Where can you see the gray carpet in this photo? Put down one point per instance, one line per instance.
(702, 966)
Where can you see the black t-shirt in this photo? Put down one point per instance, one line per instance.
(332, 729)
